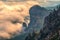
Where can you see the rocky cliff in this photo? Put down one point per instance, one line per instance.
(51, 28)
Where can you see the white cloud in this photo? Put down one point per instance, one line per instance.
(53, 0)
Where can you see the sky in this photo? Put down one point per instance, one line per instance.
(45, 3)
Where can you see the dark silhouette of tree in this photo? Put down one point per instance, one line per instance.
(51, 26)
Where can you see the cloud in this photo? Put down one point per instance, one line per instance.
(12, 17)
(12, 0)
(53, 0)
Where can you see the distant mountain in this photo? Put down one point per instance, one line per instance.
(51, 8)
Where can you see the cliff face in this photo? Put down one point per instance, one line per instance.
(37, 15)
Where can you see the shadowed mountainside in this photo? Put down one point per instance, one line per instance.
(51, 28)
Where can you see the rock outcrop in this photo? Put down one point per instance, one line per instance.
(37, 15)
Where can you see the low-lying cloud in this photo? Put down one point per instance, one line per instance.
(12, 17)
